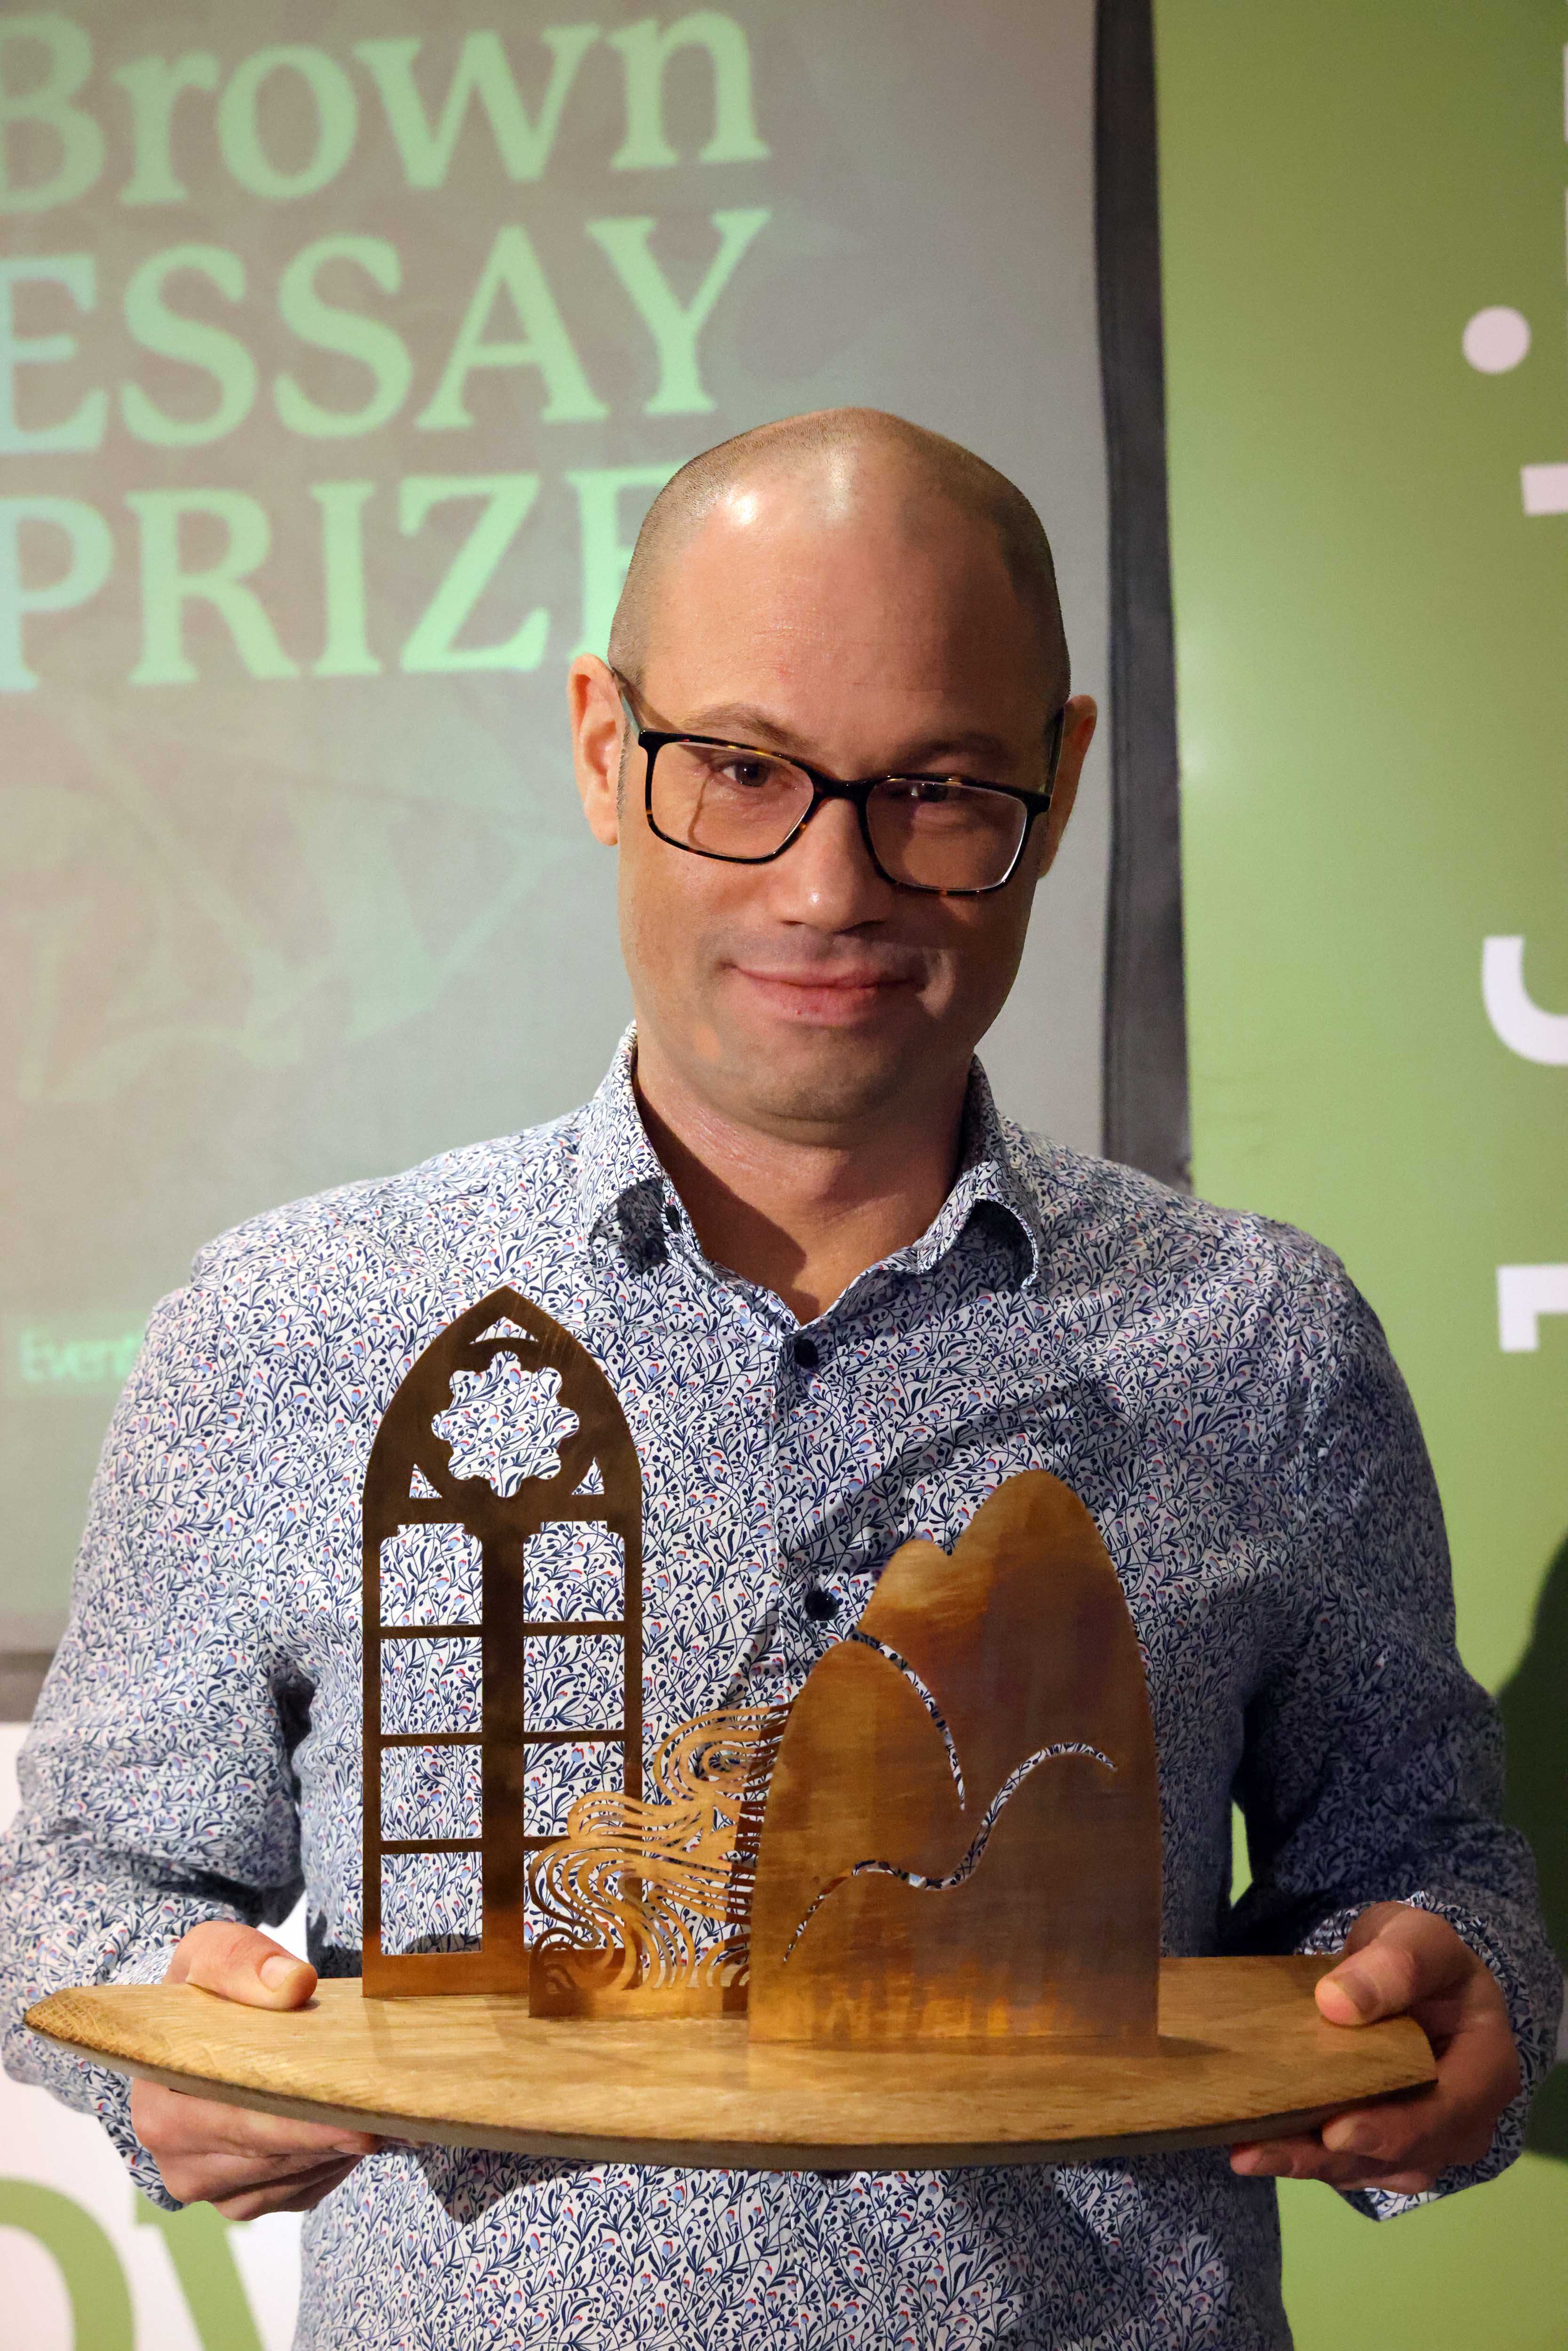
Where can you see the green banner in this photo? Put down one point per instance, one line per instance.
(1367, 323)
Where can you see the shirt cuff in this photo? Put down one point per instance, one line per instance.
(142, 1956)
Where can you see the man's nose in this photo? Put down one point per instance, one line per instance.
(826, 878)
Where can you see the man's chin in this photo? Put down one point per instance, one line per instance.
(797, 1075)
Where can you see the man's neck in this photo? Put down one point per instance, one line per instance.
(802, 1219)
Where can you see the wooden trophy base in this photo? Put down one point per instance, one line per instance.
(1242, 2053)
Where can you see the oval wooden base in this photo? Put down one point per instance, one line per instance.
(1242, 2053)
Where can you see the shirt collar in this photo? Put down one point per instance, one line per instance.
(616, 1161)
(989, 1171)
(614, 1157)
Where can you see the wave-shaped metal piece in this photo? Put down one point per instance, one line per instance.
(982, 1836)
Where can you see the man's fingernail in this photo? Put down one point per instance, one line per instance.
(1355, 1990)
(277, 1969)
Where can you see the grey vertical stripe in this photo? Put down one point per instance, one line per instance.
(1146, 1116)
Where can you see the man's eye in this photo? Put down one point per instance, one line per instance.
(751, 774)
(916, 792)
(918, 798)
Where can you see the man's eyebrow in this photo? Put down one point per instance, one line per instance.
(744, 723)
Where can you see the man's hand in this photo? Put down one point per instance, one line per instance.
(244, 2163)
(1404, 1962)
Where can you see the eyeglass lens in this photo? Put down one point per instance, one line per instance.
(731, 802)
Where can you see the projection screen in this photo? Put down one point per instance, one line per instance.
(341, 349)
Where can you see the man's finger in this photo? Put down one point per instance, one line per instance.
(1403, 2135)
(299, 2193)
(239, 1963)
(217, 2180)
(1394, 2135)
(171, 2122)
(1277, 2159)
(1307, 2159)
(1452, 2122)
(1304, 2158)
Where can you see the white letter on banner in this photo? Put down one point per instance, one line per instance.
(1518, 1021)
(91, 559)
(83, 429)
(172, 336)
(514, 264)
(1524, 1293)
(337, 121)
(675, 332)
(647, 52)
(483, 72)
(347, 651)
(81, 140)
(510, 498)
(374, 344)
(152, 84)
(1545, 490)
(167, 589)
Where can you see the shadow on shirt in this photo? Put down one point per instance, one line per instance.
(1534, 1706)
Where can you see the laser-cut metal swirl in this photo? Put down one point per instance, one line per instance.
(642, 1879)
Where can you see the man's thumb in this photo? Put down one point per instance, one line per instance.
(241, 1964)
(1387, 1967)
(1349, 1995)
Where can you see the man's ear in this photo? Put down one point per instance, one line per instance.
(593, 699)
(1078, 733)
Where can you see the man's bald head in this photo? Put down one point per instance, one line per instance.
(831, 457)
(846, 590)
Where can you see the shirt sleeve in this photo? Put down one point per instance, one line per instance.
(1373, 1765)
(156, 1789)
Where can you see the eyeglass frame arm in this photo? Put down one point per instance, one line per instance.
(652, 740)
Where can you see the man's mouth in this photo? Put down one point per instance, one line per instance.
(824, 994)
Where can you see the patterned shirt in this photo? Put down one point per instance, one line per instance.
(1209, 1382)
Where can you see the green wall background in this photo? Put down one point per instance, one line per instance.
(1374, 708)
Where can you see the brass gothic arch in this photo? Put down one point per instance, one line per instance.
(406, 1447)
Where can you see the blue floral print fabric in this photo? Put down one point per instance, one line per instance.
(1211, 1384)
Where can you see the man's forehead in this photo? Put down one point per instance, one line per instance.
(771, 575)
(841, 503)
(800, 641)
(853, 538)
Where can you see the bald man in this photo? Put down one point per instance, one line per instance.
(841, 1299)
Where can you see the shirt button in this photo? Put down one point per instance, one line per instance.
(806, 1353)
(821, 1605)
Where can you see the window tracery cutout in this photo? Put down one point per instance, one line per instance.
(587, 1472)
